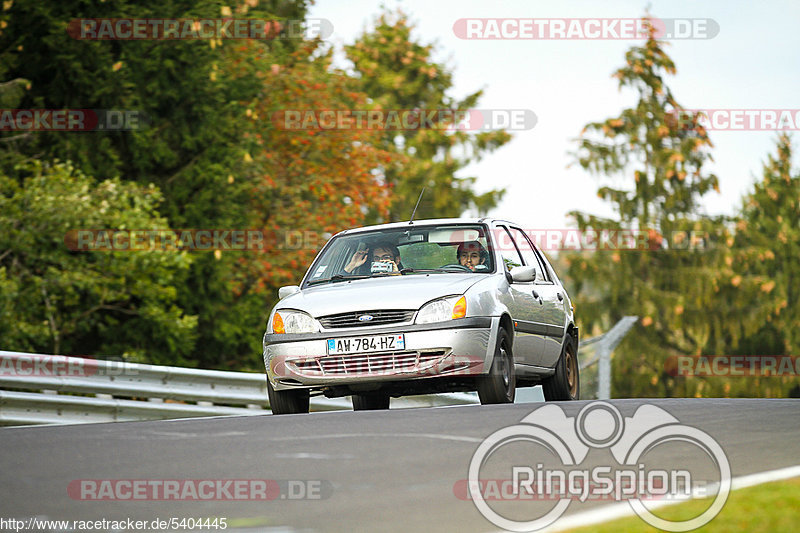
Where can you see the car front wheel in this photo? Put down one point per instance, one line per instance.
(565, 384)
(287, 402)
(499, 386)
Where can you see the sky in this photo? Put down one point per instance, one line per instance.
(752, 63)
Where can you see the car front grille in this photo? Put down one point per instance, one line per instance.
(379, 318)
(366, 364)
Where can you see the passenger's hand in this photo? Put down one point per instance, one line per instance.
(358, 259)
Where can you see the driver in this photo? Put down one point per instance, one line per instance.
(380, 252)
(470, 254)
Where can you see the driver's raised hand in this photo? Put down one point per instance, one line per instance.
(358, 259)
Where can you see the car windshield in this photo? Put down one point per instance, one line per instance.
(440, 249)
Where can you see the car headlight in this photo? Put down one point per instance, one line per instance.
(442, 310)
(285, 321)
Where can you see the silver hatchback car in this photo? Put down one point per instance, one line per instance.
(422, 307)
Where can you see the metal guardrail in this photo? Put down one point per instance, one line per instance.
(25, 408)
(605, 346)
(72, 390)
(95, 376)
(54, 389)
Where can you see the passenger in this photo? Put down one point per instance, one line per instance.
(471, 254)
(379, 252)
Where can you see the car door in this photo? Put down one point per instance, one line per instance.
(551, 317)
(524, 308)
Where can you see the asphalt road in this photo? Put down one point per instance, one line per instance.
(378, 471)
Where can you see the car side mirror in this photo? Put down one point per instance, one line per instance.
(523, 273)
(283, 292)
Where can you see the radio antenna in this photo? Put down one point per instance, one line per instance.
(414, 212)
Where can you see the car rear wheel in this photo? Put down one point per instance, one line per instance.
(499, 386)
(370, 402)
(565, 384)
(287, 402)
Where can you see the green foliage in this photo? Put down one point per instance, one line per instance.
(768, 247)
(693, 288)
(667, 157)
(69, 302)
(218, 161)
(660, 165)
(759, 509)
(397, 73)
(180, 85)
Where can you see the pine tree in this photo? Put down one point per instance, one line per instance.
(653, 154)
(769, 236)
(398, 73)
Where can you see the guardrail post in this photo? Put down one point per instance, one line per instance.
(605, 346)
(603, 372)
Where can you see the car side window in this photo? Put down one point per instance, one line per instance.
(508, 250)
(528, 254)
(548, 268)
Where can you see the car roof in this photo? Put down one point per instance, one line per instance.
(424, 222)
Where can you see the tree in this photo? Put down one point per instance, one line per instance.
(302, 186)
(180, 85)
(70, 302)
(214, 154)
(768, 238)
(756, 286)
(657, 152)
(195, 95)
(398, 73)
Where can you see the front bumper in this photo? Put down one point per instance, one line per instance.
(462, 347)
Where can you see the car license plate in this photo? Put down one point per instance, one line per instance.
(366, 344)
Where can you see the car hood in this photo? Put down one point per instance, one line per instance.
(391, 292)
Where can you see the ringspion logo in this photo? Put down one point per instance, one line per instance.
(638, 476)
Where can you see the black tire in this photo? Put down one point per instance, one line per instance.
(500, 385)
(370, 402)
(287, 402)
(565, 384)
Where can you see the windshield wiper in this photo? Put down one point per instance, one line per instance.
(335, 277)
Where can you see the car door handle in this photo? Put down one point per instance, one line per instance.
(536, 295)
(560, 297)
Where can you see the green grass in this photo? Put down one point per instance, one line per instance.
(767, 508)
